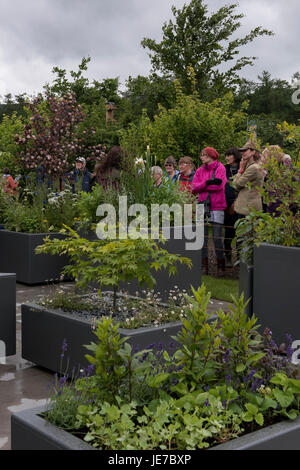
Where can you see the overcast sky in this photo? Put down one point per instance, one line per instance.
(37, 35)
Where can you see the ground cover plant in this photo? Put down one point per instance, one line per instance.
(225, 380)
(141, 310)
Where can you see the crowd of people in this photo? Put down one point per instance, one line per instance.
(228, 192)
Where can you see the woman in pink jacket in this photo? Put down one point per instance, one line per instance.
(209, 183)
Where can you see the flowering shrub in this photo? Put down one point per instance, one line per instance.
(40, 209)
(224, 379)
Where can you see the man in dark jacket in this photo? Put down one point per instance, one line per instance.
(82, 171)
(233, 158)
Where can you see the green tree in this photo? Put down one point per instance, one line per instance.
(146, 93)
(9, 127)
(191, 124)
(269, 96)
(203, 41)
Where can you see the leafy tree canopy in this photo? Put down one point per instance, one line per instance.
(203, 41)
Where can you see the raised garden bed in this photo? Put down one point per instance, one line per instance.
(183, 279)
(246, 285)
(44, 330)
(29, 431)
(7, 314)
(17, 254)
(276, 289)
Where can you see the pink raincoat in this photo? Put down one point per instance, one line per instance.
(217, 193)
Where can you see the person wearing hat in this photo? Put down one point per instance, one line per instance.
(248, 180)
(209, 183)
(82, 171)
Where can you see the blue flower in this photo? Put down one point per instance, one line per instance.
(206, 402)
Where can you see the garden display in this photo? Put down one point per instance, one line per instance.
(224, 381)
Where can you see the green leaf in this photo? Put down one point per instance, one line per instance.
(251, 408)
(284, 398)
(248, 417)
(240, 368)
(259, 419)
(292, 414)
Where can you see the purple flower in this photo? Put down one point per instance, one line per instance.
(64, 346)
(160, 346)
(226, 356)
(206, 402)
(90, 370)
(228, 379)
(62, 381)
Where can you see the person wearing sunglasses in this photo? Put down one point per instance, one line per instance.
(170, 169)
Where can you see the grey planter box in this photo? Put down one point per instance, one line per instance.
(31, 432)
(246, 285)
(17, 254)
(7, 314)
(43, 332)
(276, 290)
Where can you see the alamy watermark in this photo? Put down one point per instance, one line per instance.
(186, 225)
(296, 94)
(296, 354)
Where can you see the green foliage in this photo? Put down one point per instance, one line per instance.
(146, 93)
(270, 102)
(291, 138)
(187, 127)
(279, 226)
(108, 262)
(223, 375)
(168, 426)
(203, 41)
(9, 127)
(40, 209)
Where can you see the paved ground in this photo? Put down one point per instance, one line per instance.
(22, 384)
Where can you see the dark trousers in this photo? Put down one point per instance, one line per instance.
(229, 232)
(217, 238)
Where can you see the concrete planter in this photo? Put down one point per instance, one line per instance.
(17, 254)
(276, 290)
(246, 285)
(43, 332)
(7, 314)
(31, 432)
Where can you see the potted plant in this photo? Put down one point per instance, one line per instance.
(271, 241)
(224, 381)
(108, 263)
